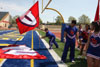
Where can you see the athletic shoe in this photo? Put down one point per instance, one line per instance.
(62, 61)
(78, 48)
(57, 47)
(50, 47)
(79, 57)
(73, 61)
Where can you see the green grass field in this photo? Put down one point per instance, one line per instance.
(78, 62)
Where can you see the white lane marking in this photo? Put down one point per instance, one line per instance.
(2, 62)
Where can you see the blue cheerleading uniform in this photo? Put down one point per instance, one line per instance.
(94, 46)
(52, 38)
(80, 34)
(70, 42)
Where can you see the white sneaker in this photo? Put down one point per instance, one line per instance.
(79, 57)
(62, 61)
(78, 48)
(50, 47)
(73, 61)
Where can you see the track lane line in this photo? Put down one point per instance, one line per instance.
(32, 60)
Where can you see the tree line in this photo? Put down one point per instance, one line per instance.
(81, 20)
(58, 20)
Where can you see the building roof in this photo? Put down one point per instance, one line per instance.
(2, 14)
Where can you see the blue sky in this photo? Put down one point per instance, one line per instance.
(67, 8)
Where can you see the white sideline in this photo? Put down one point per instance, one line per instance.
(53, 53)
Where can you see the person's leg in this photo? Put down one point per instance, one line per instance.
(79, 43)
(96, 63)
(54, 41)
(64, 55)
(81, 51)
(50, 43)
(90, 62)
(72, 51)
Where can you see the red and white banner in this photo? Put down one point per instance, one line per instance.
(97, 13)
(29, 20)
(19, 52)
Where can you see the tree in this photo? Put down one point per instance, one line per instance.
(14, 19)
(58, 20)
(40, 21)
(10, 20)
(71, 18)
(84, 19)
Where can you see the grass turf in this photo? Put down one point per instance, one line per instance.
(78, 62)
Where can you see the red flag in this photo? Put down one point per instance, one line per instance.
(29, 20)
(19, 52)
(97, 13)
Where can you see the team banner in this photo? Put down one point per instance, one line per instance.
(19, 52)
(97, 13)
(29, 20)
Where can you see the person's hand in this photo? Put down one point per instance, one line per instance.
(40, 38)
(64, 40)
(84, 53)
(86, 46)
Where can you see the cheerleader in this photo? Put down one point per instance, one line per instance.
(93, 45)
(70, 34)
(80, 36)
(52, 38)
(84, 39)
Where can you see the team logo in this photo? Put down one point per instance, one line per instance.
(72, 32)
(28, 19)
(94, 41)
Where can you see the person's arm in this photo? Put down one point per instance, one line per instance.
(43, 37)
(77, 36)
(65, 34)
(87, 45)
